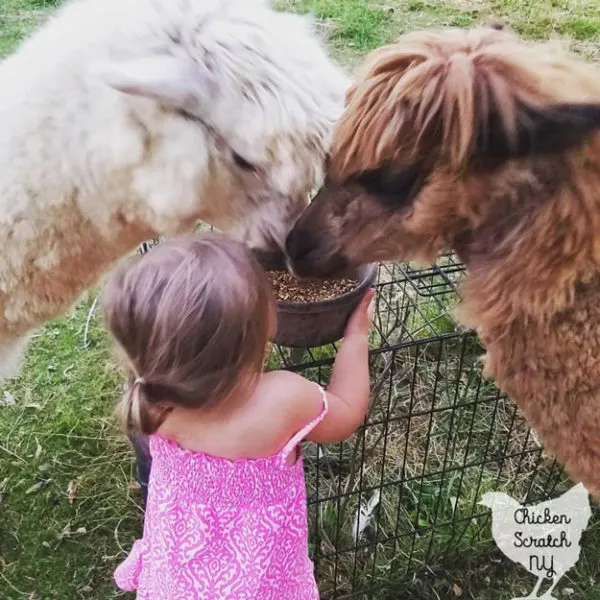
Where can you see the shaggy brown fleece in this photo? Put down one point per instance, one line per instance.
(477, 142)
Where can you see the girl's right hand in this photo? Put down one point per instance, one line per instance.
(360, 320)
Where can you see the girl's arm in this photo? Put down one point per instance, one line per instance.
(348, 390)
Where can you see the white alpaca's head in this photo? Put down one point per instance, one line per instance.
(244, 98)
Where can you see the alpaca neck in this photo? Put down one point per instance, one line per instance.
(526, 261)
(49, 267)
(526, 290)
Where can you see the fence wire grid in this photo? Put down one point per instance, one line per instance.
(401, 495)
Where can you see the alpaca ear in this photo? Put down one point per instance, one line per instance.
(538, 131)
(177, 82)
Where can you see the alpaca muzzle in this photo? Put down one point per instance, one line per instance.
(310, 255)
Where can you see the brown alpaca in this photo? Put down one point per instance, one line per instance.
(477, 142)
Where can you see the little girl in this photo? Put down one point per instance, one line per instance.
(226, 512)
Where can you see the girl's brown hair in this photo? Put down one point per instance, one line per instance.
(193, 318)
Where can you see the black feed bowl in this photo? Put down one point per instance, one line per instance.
(309, 325)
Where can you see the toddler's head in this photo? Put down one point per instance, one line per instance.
(192, 318)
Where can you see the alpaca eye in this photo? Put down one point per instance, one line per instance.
(242, 163)
(391, 187)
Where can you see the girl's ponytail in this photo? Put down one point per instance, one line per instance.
(137, 413)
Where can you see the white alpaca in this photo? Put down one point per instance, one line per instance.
(124, 119)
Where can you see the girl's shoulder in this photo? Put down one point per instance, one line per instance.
(287, 402)
(280, 406)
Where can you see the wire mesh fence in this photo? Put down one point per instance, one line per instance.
(402, 494)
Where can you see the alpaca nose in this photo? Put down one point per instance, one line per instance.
(299, 244)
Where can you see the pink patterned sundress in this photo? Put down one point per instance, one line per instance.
(217, 529)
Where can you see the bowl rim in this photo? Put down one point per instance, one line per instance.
(366, 275)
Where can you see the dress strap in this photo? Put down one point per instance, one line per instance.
(300, 435)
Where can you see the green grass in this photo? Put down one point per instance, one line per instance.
(65, 472)
(17, 18)
(352, 24)
(68, 504)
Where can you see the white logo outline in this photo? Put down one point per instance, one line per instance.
(544, 537)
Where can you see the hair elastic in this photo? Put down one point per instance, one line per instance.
(139, 380)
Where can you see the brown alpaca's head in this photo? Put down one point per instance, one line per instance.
(464, 140)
